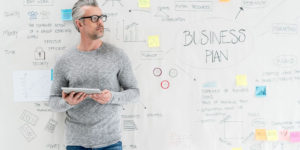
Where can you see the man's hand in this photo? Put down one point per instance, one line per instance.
(102, 98)
(74, 98)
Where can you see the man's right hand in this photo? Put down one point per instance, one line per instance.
(74, 98)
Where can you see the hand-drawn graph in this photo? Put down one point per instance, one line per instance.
(130, 32)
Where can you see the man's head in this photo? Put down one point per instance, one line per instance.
(88, 18)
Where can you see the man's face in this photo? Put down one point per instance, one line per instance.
(93, 30)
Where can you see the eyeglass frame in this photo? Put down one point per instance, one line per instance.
(98, 17)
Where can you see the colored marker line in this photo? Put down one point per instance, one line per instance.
(51, 74)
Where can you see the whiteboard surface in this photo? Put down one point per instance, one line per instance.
(213, 75)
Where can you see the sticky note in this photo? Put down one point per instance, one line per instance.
(236, 149)
(211, 84)
(260, 134)
(272, 135)
(284, 135)
(295, 136)
(224, 0)
(260, 91)
(66, 14)
(241, 80)
(153, 41)
(144, 3)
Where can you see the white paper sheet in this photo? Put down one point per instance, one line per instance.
(32, 85)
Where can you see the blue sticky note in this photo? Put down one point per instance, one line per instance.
(261, 91)
(66, 14)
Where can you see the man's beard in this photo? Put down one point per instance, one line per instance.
(97, 35)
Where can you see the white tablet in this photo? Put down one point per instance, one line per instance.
(84, 90)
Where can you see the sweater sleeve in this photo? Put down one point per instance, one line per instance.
(128, 82)
(56, 102)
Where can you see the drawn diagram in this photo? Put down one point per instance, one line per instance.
(51, 125)
(29, 118)
(165, 84)
(39, 54)
(129, 125)
(131, 32)
(173, 72)
(163, 13)
(28, 133)
(112, 2)
(157, 72)
(35, 15)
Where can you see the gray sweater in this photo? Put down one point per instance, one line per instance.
(89, 123)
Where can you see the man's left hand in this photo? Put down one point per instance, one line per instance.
(102, 98)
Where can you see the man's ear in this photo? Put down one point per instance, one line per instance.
(79, 23)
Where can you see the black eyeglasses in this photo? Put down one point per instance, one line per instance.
(96, 18)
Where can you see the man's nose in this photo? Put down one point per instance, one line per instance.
(100, 21)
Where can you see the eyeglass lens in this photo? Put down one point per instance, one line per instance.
(96, 18)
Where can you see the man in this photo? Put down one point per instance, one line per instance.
(93, 120)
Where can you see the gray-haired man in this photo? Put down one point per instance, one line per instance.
(93, 121)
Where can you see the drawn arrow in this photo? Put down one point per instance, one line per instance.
(145, 107)
(241, 9)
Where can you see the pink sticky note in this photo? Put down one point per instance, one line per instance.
(284, 135)
(295, 136)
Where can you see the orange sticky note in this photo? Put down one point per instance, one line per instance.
(272, 135)
(241, 80)
(224, 0)
(153, 41)
(260, 134)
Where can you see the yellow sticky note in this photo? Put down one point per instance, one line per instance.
(236, 149)
(260, 134)
(241, 80)
(153, 41)
(272, 135)
(144, 3)
(224, 0)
